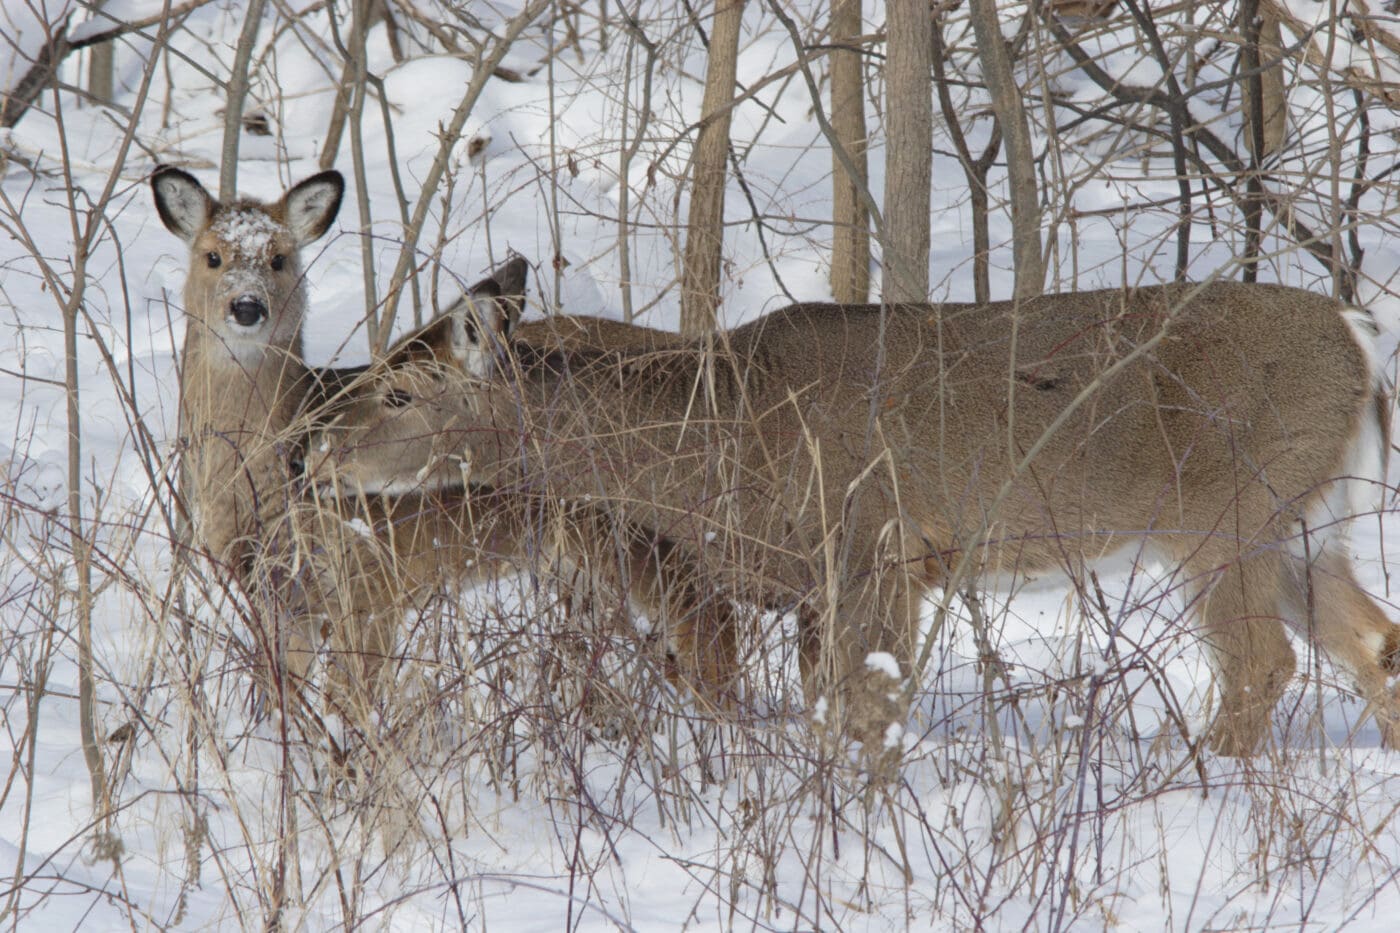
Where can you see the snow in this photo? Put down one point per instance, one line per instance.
(247, 233)
(884, 662)
(1064, 798)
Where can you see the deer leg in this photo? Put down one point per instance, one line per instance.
(700, 621)
(1239, 614)
(865, 651)
(1354, 631)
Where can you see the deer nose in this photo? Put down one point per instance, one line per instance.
(296, 465)
(248, 310)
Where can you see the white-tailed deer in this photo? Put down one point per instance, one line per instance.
(408, 457)
(242, 383)
(241, 369)
(848, 458)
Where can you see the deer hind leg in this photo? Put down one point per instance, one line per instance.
(1239, 615)
(664, 581)
(706, 648)
(1347, 624)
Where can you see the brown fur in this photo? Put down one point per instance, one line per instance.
(583, 545)
(237, 383)
(848, 458)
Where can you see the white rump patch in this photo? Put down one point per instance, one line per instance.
(1361, 485)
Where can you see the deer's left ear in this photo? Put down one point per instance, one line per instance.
(478, 325)
(506, 286)
(311, 206)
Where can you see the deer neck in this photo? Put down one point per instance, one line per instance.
(224, 389)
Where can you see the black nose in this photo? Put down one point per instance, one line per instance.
(296, 464)
(248, 310)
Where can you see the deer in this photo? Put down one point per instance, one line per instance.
(590, 555)
(241, 369)
(246, 398)
(847, 460)
(243, 384)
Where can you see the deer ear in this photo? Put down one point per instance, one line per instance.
(506, 286)
(478, 325)
(310, 207)
(181, 201)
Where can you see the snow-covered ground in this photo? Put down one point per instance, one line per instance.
(1055, 791)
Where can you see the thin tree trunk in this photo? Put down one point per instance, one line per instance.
(1262, 94)
(630, 148)
(1263, 54)
(850, 235)
(700, 272)
(1020, 155)
(15, 101)
(975, 171)
(100, 65)
(233, 104)
(908, 150)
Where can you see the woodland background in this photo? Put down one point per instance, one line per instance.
(685, 165)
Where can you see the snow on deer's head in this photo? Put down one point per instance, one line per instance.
(245, 291)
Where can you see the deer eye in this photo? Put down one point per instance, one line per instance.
(397, 398)
(214, 259)
(278, 262)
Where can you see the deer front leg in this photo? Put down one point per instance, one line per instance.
(856, 656)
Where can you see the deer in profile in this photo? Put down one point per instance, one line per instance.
(848, 459)
(585, 550)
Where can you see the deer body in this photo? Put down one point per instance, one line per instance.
(849, 458)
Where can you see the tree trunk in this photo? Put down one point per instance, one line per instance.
(975, 170)
(705, 227)
(1263, 65)
(1020, 156)
(908, 150)
(16, 99)
(237, 89)
(850, 237)
(100, 64)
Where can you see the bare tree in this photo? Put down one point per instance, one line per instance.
(908, 150)
(850, 235)
(975, 170)
(1261, 68)
(705, 227)
(233, 106)
(1020, 154)
(32, 73)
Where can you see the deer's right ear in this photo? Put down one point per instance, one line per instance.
(183, 204)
